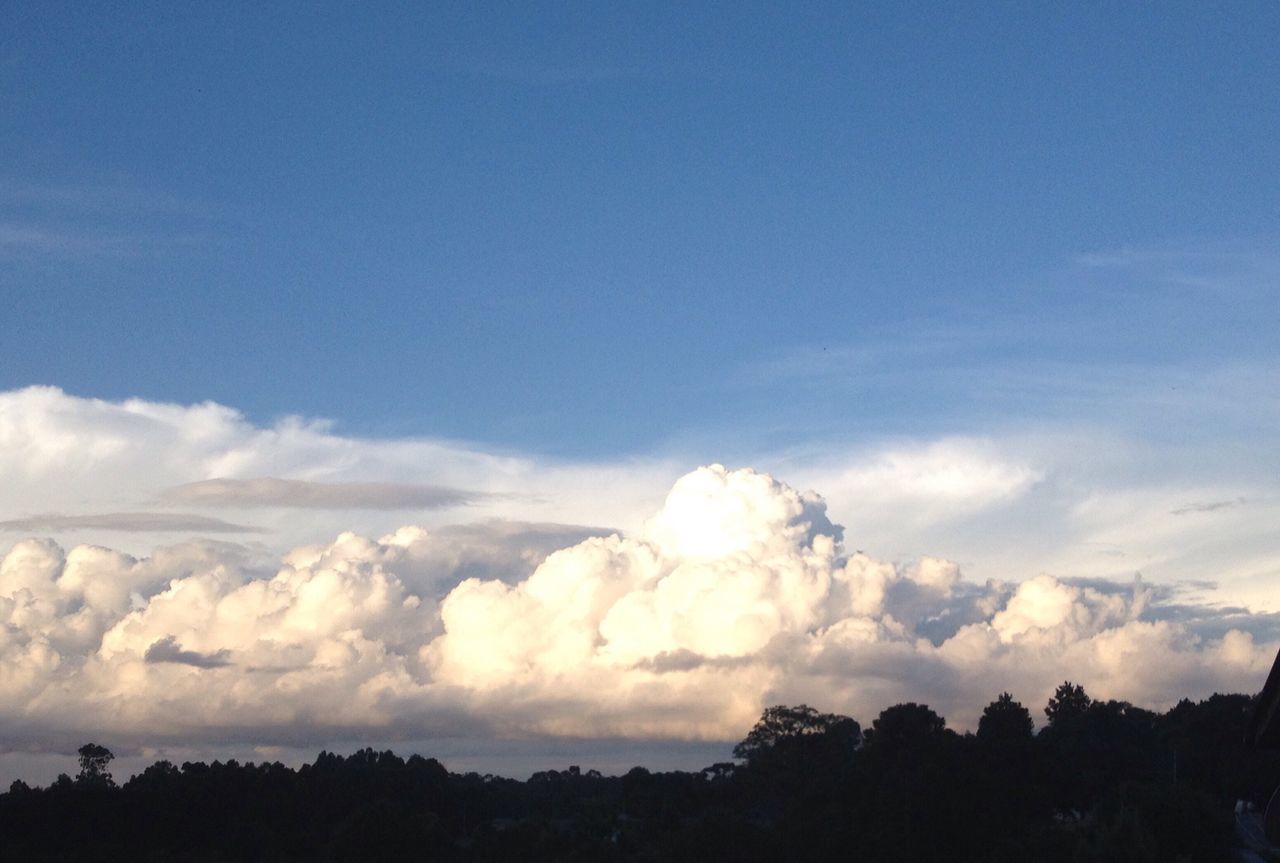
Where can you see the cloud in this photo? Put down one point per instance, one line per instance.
(736, 593)
(1211, 506)
(167, 649)
(60, 453)
(967, 474)
(41, 221)
(1006, 505)
(135, 522)
(303, 494)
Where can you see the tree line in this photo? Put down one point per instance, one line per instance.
(1100, 781)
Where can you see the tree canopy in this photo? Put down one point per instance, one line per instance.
(1005, 719)
(93, 765)
(780, 724)
(1122, 784)
(1069, 702)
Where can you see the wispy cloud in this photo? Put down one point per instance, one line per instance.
(75, 241)
(1211, 506)
(114, 199)
(306, 494)
(92, 221)
(128, 522)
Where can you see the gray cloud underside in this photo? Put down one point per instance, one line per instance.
(130, 522)
(168, 650)
(306, 494)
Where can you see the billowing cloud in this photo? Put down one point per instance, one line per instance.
(127, 522)
(738, 592)
(304, 494)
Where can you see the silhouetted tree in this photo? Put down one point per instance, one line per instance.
(906, 725)
(1097, 789)
(1005, 719)
(779, 725)
(93, 766)
(1069, 702)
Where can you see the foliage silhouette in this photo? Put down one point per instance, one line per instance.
(1005, 719)
(1068, 704)
(1105, 781)
(93, 765)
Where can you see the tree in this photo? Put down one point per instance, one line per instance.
(906, 725)
(785, 728)
(93, 766)
(1005, 719)
(1068, 704)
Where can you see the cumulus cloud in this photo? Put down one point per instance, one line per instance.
(738, 592)
(269, 491)
(127, 522)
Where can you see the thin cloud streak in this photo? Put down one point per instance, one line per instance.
(305, 494)
(127, 522)
(1212, 506)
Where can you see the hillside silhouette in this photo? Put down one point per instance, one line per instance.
(1100, 781)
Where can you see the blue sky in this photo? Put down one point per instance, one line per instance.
(456, 376)
(584, 230)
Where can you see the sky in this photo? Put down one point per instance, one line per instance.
(578, 381)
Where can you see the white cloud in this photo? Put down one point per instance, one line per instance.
(737, 593)
(1069, 501)
(68, 455)
(678, 619)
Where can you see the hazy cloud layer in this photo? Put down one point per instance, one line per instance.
(1069, 501)
(738, 592)
(268, 491)
(128, 522)
(297, 478)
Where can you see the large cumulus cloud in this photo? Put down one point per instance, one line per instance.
(737, 593)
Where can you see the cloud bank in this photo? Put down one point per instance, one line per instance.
(737, 593)
(1006, 504)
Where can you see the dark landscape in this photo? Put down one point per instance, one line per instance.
(1100, 781)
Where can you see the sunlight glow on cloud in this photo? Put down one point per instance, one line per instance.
(737, 593)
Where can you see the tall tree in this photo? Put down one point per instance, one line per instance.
(93, 766)
(1069, 703)
(1005, 719)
